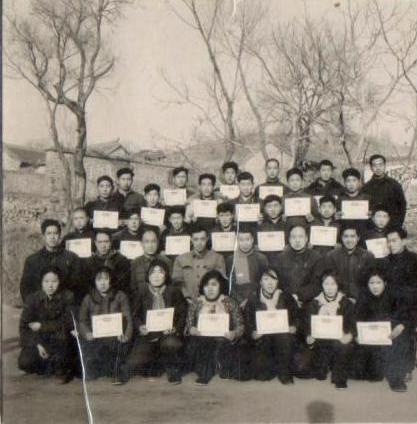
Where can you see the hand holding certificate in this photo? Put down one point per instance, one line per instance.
(323, 236)
(355, 209)
(327, 327)
(267, 190)
(229, 191)
(248, 212)
(106, 219)
(272, 322)
(379, 247)
(107, 325)
(159, 320)
(271, 241)
(131, 249)
(177, 245)
(174, 197)
(374, 333)
(297, 206)
(223, 241)
(205, 208)
(81, 247)
(153, 216)
(213, 325)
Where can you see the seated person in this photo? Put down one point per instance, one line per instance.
(331, 354)
(272, 169)
(157, 348)
(104, 356)
(271, 353)
(377, 228)
(46, 324)
(209, 354)
(82, 228)
(325, 184)
(132, 231)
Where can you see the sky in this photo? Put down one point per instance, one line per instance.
(130, 105)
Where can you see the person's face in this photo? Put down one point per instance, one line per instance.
(125, 181)
(350, 239)
(245, 241)
(199, 241)
(381, 219)
(180, 180)
(269, 284)
(298, 238)
(206, 187)
(329, 286)
(150, 243)
(378, 167)
(327, 210)
(176, 220)
(352, 184)
(225, 219)
(395, 243)
(211, 289)
(133, 223)
(295, 182)
(104, 189)
(103, 244)
(51, 237)
(103, 282)
(157, 277)
(272, 170)
(273, 209)
(229, 176)
(50, 283)
(376, 285)
(326, 172)
(246, 188)
(152, 198)
(80, 220)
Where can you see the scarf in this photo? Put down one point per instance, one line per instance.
(216, 307)
(270, 302)
(158, 301)
(329, 306)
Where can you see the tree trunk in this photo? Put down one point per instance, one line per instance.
(80, 176)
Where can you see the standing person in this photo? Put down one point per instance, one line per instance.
(325, 184)
(51, 254)
(190, 267)
(81, 225)
(351, 262)
(151, 347)
(272, 169)
(385, 190)
(229, 172)
(132, 231)
(331, 354)
(45, 329)
(245, 181)
(225, 224)
(104, 356)
(124, 195)
(180, 180)
(271, 353)
(153, 196)
(209, 354)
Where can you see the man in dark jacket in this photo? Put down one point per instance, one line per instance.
(325, 184)
(272, 169)
(385, 190)
(82, 229)
(52, 254)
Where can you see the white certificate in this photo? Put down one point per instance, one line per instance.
(106, 219)
(177, 245)
(378, 246)
(81, 247)
(267, 190)
(153, 216)
(213, 325)
(160, 319)
(131, 249)
(223, 241)
(374, 333)
(205, 208)
(327, 327)
(271, 241)
(297, 206)
(321, 235)
(355, 209)
(272, 322)
(248, 212)
(107, 325)
(175, 196)
(229, 191)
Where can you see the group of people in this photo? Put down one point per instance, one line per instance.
(243, 281)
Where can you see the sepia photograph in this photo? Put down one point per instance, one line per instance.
(209, 211)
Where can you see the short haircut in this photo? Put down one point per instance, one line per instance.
(376, 271)
(213, 274)
(243, 176)
(151, 187)
(158, 262)
(51, 269)
(150, 229)
(294, 171)
(399, 230)
(327, 199)
(330, 273)
(271, 272)
(271, 198)
(123, 171)
(326, 162)
(50, 223)
(375, 157)
(179, 169)
(80, 209)
(197, 227)
(131, 212)
(269, 160)
(380, 208)
(230, 165)
(207, 176)
(349, 226)
(225, 207)
(105, 178)
(101, 231)
(351, 172)
(104, 269)
(298, 226)
(175, 209)
(245, 228)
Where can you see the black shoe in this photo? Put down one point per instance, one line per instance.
(201, 381)
(286, 380)
(65, 378)
(118, 381)
(174, 379)
(399, 387)
(341, 385)
(321, 375)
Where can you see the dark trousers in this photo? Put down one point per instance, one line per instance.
(148, 354)
(333, 355)
(271, 356)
